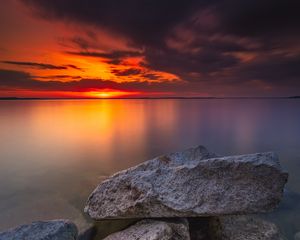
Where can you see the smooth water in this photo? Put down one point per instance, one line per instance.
(54, 152)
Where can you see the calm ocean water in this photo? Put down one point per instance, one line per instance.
(54, 152)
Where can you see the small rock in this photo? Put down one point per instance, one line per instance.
(243, 227)
(297, 236)
(154, 230)
(191, 183)
(42, 230)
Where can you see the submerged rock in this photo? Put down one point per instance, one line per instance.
(297, 236)
(243, 227)
(154, 230)
(42, 230)
(191, 183)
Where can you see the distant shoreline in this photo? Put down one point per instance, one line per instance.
(133, 98)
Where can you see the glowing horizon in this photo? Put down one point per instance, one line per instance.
(50, 49)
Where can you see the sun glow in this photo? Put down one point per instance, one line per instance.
(110, 94)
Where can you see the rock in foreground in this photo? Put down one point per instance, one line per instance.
(244, 227)
(42, 230)
(154, 230)
(191, 183)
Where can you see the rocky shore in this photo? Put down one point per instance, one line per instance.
(193, 194)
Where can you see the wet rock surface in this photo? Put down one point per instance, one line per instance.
(243, 227)
(194, 182)
(42, 230)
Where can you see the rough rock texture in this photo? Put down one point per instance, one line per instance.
(154, 230)
(42, 230)
(243, 227)
(191, 183)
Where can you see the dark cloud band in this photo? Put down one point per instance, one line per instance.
(42, 65)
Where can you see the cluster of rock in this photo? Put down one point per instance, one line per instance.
(193, 194)
(42, 230)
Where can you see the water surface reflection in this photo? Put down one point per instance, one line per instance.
(53, 153)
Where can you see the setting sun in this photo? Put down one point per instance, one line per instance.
(110, 94)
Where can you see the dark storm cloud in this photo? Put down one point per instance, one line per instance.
(11, 78)
(114, 57)
(22, 80)
(148, 21)
(16, 80)
(228, 42)
(59, 77)
(42, 65)
(145, 21)
(127, 72)
(277, 69)
(36, 65)
(19, 80)
(151, 76)
(186, 65)
(81, 42)
(260, 18)
(74, 67)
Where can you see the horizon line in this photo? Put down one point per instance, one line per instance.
(174, 97)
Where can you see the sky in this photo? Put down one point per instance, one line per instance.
(149, 48)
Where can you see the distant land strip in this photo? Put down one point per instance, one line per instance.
(20, 98)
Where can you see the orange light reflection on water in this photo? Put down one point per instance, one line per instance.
(103, 128)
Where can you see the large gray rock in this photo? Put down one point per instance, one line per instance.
(243, 227)
(191, 183)
(154, 230)
(42, 230)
